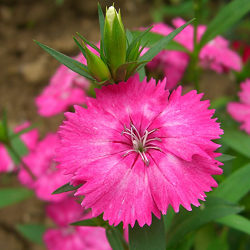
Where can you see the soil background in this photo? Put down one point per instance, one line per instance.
(25, 70)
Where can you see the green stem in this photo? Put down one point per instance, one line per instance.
(26, 168)
(195, 54)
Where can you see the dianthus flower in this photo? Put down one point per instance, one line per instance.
(30, 139)
(138, 149)
(69, 237)
(65, 89)
(172, 63)
(41, 163)
(215, 55)
(240, 111)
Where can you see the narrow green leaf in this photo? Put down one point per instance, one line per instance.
(9, 196)
(129, 36)
(80, 47)
(237, 140)
(218, 244)
(226, 18)
(102, 23)
(32, 232)
(101, 20)
(137, 39)
(237, 222)
(235, 186)
(14, 135)
(225, 157)
(114, 238)
(211, 210)
(151, 38)
(148, 237)
(88, 222)
(66, 60)
(89, 43)
(65, 188)
(158, 46)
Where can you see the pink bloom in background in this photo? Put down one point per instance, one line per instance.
(139, 150)
(240, 111)
(30, 139)
(215, 55)
(172, 63)
(42, 165)
(65, 89)
(67, 237)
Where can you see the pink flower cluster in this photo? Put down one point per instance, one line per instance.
(240, 111)
(215, 55)
(137, 149)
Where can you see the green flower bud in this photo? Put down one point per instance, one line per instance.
(114, 39)
(97, 67)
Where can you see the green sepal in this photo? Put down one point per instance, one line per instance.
(135, 68)
(96, 66)
(66, 188)
(66, 60)
(120, 71)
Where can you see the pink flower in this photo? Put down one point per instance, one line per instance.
(139, 150)
(172, 63)
(30, 139)
(240, 111)
(65, 89)
(42, 165)
(215, 55)
(69, 237)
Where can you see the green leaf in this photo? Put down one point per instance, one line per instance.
(102, 23)
(158, 46)
(114, 238)
(218, 244)
(235, 186)
(237, 140)
(226, 18)
(80, 47)
(148, 237)
(237, 222)
(4, 128)
(137, 39)
(88, 222)
(89, 43)
(151, 38)
(67, 61)
(9, 196)
(129, 36)
(32, 232)
(65, 188)
(211, 210)
(225, 157)
(23, 131)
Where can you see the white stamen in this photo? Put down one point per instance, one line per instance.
(140, 143)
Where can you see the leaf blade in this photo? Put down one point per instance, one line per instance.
(66, 188)
(148, 237)
(9, 196)
(228, 15)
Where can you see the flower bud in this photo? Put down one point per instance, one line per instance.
(97, 67)
(114, 39)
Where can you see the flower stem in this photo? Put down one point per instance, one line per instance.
(195, 54)
(26, 168)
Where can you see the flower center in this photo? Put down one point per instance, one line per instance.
(140, 143)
